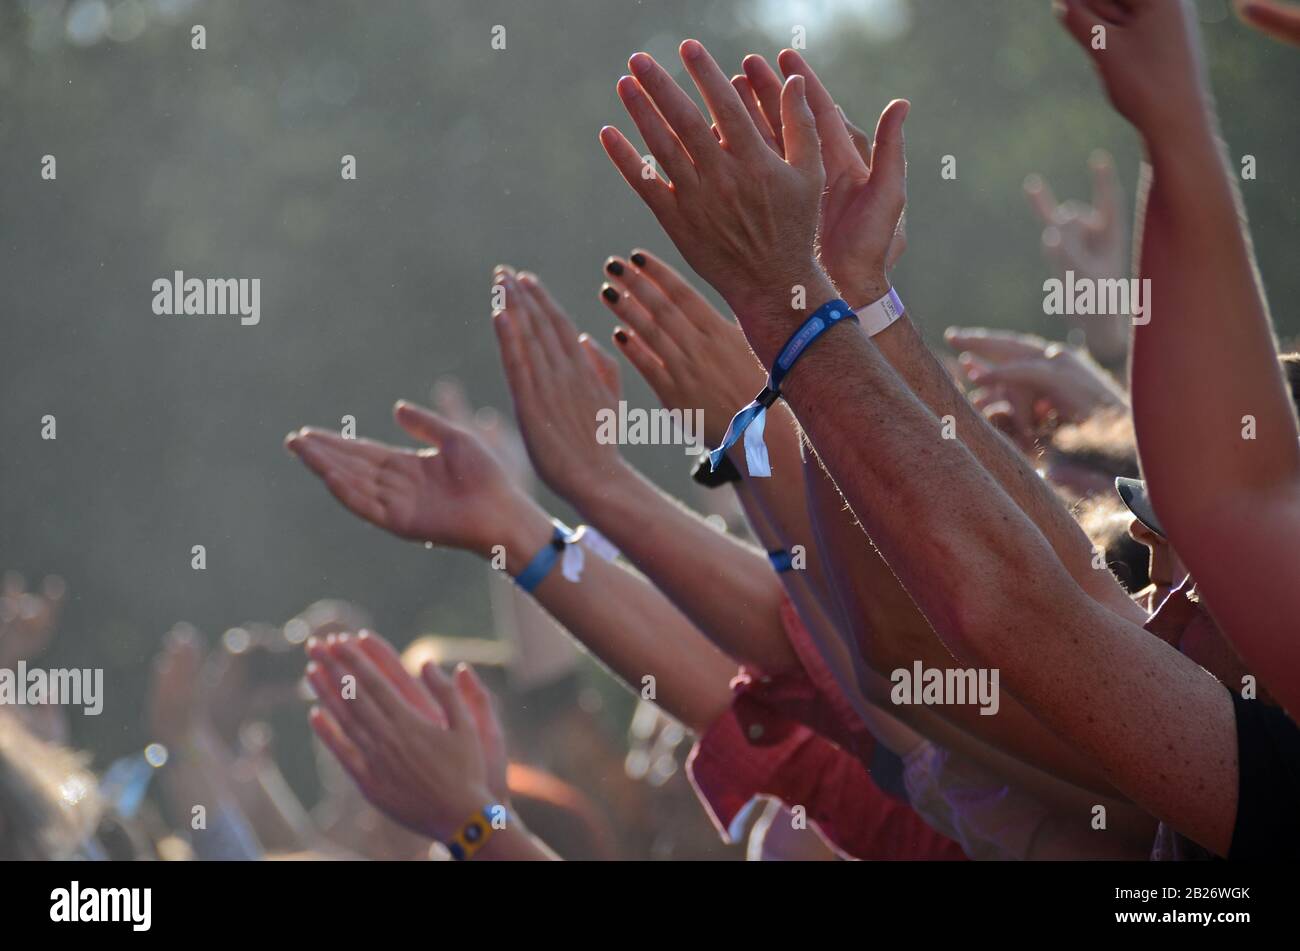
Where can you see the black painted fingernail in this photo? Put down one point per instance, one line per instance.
(638, 259)
(614, 267)
(620, 335)
(611, 295)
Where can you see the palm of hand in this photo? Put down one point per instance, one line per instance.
(857, 228)
(440, 494)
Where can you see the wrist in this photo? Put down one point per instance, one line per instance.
(592, 492)
(527, 532)
(1190, 136)
(863, 288)
(769, 314)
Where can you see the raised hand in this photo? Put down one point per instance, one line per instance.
(692, 356)
(494, 430)
(455, 494)
(413, 746)
(1087, 239)
(1147, 54)
(743, 216)
(1275, 19)
(866, 184)
(1046, 382)
(1090, 240)
(560, 382)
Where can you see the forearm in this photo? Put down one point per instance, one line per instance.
(901, 345)
(889, 633)
(986, 579)
(726, 587)
(630, 626)
(1207, 310)
(541, 651)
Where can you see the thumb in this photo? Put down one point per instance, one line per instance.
(424, 425)
(802, 146)
(888, 157)
(606, 366)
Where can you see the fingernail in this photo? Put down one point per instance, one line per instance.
(640, 63)
(620, 335)
(638, 259)
(614, 267)
(609, 294)
(691, 49)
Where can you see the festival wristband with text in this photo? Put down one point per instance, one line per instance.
(751, 420)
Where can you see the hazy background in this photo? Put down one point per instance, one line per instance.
(225, 163)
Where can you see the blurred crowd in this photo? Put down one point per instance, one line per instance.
(1099, 529)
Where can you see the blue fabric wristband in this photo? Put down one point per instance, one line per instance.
(536, 570)
(749, 421)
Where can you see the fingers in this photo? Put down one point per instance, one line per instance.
(448, 697)
(658, 133)
(389, 662)
(602, 364)
(423, 424)
(995, 345)
(563, 333)
(1038, 375)
(838, 153)
(739, 133)
(338, 743)
(513, 360)
(693, 304)
(676, 108)
(632, 312)
(326, 679)
(767, 87)
(378, 704)
(644, 360)
(649, 295)
(888, 152)
(351, 449)
(653, 190)
(479, 702)
(360, 498)
(802, 147)
(541, 352)
(746, 93)
(1278, 21)
(1041, 199)
(1106, 202)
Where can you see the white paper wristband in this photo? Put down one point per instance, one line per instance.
(880, 314)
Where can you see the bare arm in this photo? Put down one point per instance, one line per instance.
(560, 386)
(457, 496)
(1234, 523)
(1160, 727)
(867, 189)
